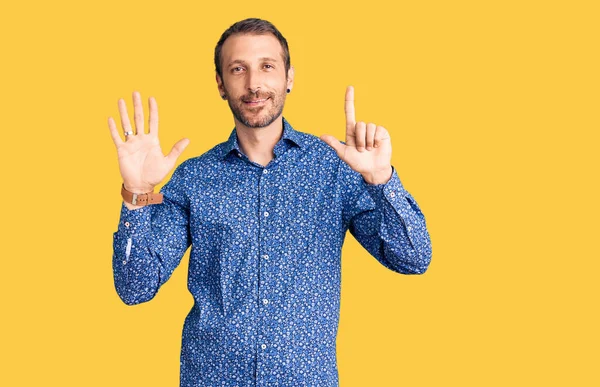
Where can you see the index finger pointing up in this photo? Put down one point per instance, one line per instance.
(350, 119)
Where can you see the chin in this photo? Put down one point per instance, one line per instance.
(257, 120)
(257, 123)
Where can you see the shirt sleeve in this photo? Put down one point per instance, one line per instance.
(150, 242)
(386, 220)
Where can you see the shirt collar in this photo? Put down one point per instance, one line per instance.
(289, 133)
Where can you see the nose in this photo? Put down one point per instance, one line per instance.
(253, 81)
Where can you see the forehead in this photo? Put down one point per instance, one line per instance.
(249, 47)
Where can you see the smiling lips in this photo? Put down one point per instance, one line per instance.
(256, 102)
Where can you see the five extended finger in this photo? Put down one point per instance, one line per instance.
(153, 117)
(124, 117)
(114, 133)
(138, 113)
(177, 149)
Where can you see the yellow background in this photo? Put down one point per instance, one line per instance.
(493, 111)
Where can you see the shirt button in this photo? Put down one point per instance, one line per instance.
(265, 256)
(263, 346)
(239, 154)
(392, 194)
(266, 213)
(126, 224)
(265, 301)
(124, 262)
(265, 171)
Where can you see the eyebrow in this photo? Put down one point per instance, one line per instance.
(264, 58)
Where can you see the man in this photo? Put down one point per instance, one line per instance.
(266, 214)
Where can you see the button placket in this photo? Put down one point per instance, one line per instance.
(263, 289)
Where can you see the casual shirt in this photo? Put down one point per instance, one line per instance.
(265, 258)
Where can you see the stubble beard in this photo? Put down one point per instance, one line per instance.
(262, 118)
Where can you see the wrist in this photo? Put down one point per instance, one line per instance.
(141, 198)
(379, 177)
(138, 189)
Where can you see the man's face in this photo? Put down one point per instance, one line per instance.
(254, 78)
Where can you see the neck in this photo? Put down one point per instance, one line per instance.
(258, 143)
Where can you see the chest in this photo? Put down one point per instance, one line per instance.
(242, 194)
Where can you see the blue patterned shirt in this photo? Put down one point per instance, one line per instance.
(265, 264)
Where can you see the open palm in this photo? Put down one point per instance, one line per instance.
(141, 161)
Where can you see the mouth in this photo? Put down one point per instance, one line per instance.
(256, 102)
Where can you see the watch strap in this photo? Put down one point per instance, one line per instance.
(141, 199)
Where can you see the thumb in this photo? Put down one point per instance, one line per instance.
(334, 143)
(177, 149)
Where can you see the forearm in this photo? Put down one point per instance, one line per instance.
(149, 245)
(394, 231)
(134, 267)
(150, 242)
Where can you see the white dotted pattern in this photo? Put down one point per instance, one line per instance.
(265, 265)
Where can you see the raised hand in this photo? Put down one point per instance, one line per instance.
(141, 160)
(368, 148)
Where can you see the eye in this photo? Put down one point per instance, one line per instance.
(270, 66)
(235, 69)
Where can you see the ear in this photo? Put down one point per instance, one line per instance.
(219, 84)
(290, 80)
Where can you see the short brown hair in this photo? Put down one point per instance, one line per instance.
(252, 26)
